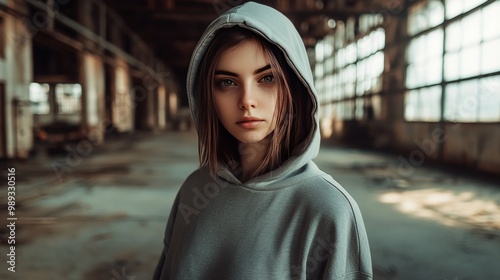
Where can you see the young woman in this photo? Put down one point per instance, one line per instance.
(258, 207)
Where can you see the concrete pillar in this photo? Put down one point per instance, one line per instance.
(16, 65)
(92, 78)
(122, 105)
(161, 108)
(395, 68)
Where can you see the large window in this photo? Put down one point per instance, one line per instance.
(472, 55)
(453, 61)
(349, 70)
(424, 56)
(66, 97)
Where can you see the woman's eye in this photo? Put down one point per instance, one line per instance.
(267, 79)
(226, 83)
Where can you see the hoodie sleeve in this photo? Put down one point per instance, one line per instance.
(351, 259)
(348, 256)
(161, 271)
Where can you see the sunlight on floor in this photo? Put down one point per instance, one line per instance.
(447, 207)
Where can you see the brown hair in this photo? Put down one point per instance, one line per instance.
(293, 112)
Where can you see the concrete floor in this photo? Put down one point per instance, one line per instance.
(105, 218)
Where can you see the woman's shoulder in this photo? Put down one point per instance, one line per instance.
(200, 175)
(327, 195)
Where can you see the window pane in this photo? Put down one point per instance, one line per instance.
(411, 75)
(351, 53)
(319, 51)
(433, 71)
(419, 50)
(379, 39)
(471, 4)
(436, 13)
(378, 64)
(340, 59)
(351, 70)
(471, 26)
(454, 36)
(491, 21)
(468, 104)
(425, 15)
(431, 108)
(490, 56)
(349, 89)
(435, 43)
(451, 66)
(318, 71)
(411, 105)
(421, 75)
(363, 47)
(327, 48)
(470, 62)
(453, 8)
(361, 66)
(39, 98)
(489, 99)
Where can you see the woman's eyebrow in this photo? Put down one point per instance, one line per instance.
(262, 69)
(228, 73)
(224, 72)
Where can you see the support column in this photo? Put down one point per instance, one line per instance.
(93, 100)
(16, 74)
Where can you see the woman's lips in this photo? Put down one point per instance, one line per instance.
(249, 124)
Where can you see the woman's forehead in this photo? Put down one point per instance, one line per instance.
(247, 56)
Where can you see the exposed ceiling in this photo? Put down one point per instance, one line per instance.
(172, 27)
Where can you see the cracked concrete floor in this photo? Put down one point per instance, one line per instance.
(105, 218)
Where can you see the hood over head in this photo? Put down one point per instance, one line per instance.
(280, 31)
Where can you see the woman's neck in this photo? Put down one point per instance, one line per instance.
(251, 156)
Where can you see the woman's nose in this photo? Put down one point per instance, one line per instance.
(247, 99)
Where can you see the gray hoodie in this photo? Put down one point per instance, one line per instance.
(295, 222)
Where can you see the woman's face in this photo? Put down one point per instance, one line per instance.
(245, 92)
